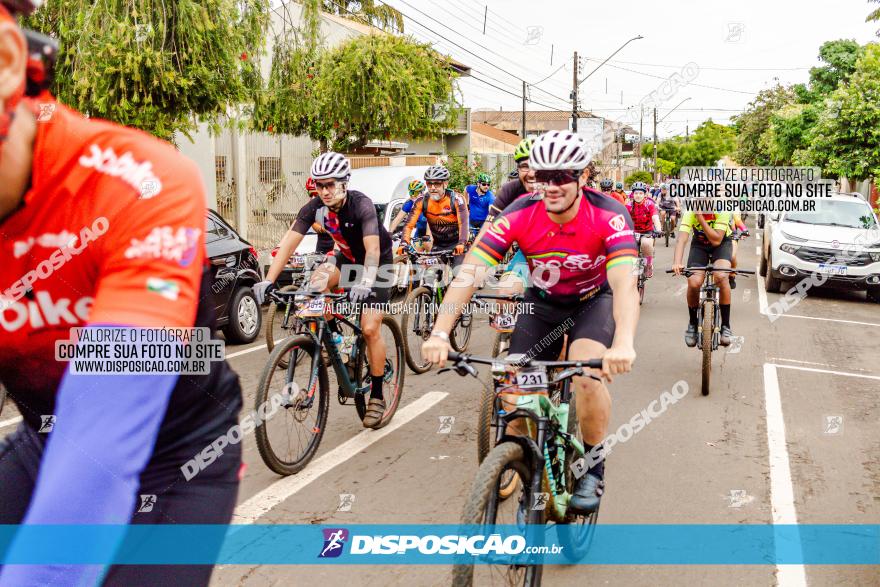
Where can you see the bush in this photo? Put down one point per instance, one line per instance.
(642, 176)
(461, 173)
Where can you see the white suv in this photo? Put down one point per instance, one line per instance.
(839, 244)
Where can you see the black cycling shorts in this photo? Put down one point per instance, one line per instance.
(207, 498)
(703, 253)
(538, 333)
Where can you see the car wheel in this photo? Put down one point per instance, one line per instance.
(245, 317)
(771, 284)
(874, 293)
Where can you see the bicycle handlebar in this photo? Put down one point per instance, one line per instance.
(466, 358)
(713, 269)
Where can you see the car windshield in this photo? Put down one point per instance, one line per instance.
(855, 214)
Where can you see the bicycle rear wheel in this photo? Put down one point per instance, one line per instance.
(392, 387)
(500, 344)
(461, 334)
(484, 508)
(706, 344)
(303, 403)
(416, 323)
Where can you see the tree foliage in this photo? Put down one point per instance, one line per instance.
(753, 123)
(379, 15)
(846, 137)
(643, 176)
(155, 65)
(709, 143)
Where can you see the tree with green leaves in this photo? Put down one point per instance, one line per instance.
(707, 145)
(377, 14)
(157, 66)
(846, 137)
(643, 176)
(751, 125)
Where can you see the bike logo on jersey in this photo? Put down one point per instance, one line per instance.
(163, 242)
(138, 175)
(618, 223)
(334, 542)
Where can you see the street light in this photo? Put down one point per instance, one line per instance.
(577, 84)
(673, 110)
(609, 57)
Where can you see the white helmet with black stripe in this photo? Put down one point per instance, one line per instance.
(559, 149)
(331, 165)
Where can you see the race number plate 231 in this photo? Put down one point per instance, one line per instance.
(531, 378)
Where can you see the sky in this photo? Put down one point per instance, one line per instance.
(731, 50)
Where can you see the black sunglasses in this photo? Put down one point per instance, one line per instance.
(556, 177)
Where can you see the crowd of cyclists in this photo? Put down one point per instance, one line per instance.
(120, 436)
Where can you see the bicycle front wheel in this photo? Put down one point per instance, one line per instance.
(706, 343)
(292, 405)
(416, 323)
(275, 329)
(485, 508)
(576, 531)
(486, 423)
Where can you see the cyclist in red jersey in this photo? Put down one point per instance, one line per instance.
(102, 226)
(580, 248)
(646, 220)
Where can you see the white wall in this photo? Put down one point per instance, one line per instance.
(201, 150)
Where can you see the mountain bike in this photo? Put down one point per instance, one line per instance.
(642, 264)
(544, 460)
(322, 342)
(709, 318)
(280, 323)
(422, 305)
(669, 225)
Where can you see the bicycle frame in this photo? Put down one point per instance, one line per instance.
(546, 424)
(319, 330)
(709, 293)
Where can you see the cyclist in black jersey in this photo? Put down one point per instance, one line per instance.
(350, 218)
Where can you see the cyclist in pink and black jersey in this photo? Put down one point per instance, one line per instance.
(580, 249)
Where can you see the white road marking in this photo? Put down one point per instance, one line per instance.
(774, 359)
(814, 370)
(831, 320)
(762, 296)
(261, 503)
(10, 422)
(762, 303)
(781, 489)
(250, 350)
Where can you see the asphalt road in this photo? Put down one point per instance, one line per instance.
(788, 434)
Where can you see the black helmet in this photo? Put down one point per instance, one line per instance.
(606, 184)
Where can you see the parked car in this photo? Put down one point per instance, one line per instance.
(386, 186)
(840, 240)
(235, 270)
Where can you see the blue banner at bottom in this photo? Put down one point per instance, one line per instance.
(394, 544)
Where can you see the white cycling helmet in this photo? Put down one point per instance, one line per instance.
(437, 173)
(331, 165)
(559, 149)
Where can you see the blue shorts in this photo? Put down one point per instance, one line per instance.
(519, 267)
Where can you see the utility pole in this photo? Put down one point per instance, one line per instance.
(485, 17)
(619, 133)
(551, 55)
(687, 135)
(574, 94)
(523, 134)
(655, 146)
(641, 141)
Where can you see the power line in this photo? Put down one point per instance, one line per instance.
(714, 68)
(517, 95)
(666, 78)
(459, 46)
